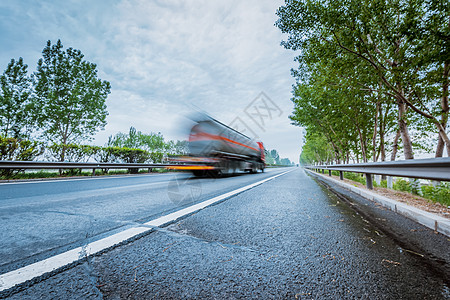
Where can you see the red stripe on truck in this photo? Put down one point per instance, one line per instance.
(203, 136)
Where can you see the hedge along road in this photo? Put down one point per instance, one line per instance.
(42, 218)
(288, 237)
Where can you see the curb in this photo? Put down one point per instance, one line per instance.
(430, 220)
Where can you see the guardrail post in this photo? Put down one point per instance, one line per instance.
(341, 175)
(329, 173)
(323, 171)
(390, 183)
(149, 170)
(378, 179)
(93, 172)
(369, 182)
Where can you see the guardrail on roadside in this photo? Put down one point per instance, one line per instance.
(433, 168)
(20, 165)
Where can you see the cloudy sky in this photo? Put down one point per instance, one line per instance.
(165, 58)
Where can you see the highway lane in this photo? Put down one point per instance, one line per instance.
(287, 238)
(42, 218)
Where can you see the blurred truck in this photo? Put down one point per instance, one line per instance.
(216, 149)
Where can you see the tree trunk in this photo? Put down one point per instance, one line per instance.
(440, 147)
(383, 121)
(382, 149)
(63, 150)
(395, 146)
(403, 127)
(363, 145)
(444, 113)
(375, 128)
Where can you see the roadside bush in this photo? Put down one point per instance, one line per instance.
(440, 193)
(23, 150)
(383, 183)
(402, 185)
(156, 157)
(108, 154)
(130, 155)
(73, 152)
(355, 177)
(125, 155)
(14, 149)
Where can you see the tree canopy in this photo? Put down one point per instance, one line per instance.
(17, 117)
(70, 96)
(152, 142)
(363, 65)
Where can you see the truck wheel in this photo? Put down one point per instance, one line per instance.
(198, 173)
(215, 173)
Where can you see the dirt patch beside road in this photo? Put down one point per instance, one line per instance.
(407, 198)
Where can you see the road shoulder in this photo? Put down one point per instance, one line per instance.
(416, 238)
(428, 219)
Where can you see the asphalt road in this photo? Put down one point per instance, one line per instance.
(287, 238)
(42, 218)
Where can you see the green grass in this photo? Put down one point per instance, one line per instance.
(355, 177)
(40, 174)
(440, 193)
(383, 184)
(402, 185)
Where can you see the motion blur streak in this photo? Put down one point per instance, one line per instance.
(219, 149)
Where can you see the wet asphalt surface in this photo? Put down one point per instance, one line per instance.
(287, 238)
(42, 219)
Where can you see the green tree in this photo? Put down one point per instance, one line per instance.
(17, 119)
(316, 150)
(70, 96)
(404, 44)
(177, 147)
(139, 140)
(285, 162)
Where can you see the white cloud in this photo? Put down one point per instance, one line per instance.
(161, 56)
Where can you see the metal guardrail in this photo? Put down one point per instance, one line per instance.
(20, 165)
(433, 168)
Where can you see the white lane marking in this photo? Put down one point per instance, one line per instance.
(80, 179)
(24, 274)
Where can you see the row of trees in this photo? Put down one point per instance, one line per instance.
(152, 142)
(373, 77)
(134, 147)
(273, 158)
(62, 102)
(51, 111)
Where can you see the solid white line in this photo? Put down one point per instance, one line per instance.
(13, 278)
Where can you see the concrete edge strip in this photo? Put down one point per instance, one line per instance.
(54, 263)
(430, 220)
